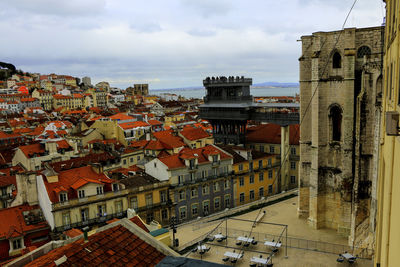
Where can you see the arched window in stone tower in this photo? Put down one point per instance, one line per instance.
(336, 60)
(335, 115)
(363, 51)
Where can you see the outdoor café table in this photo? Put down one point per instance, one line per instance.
(260, 260)
(202, 247)
(233, 255)
(273, 244)
(245, 239)
(347, 256)
(218, 236)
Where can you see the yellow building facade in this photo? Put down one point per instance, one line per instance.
(388, 197)
(255, 179)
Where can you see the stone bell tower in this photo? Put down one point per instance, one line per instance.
(340, 90)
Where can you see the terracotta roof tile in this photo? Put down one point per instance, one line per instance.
(110, 252)
(192, 134)
(271, 134)
(15, 224)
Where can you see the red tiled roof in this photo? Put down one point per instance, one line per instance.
(271, 134)
(170, 141)
(73, 233)
(7, 180)
(121, 117)
(139, 144)
(155, 145)
(116, 246)
(31, 149)
(133, 124)
(75, 178)
(192, 134)
(15, 225)
(154, 122)
(136, 220)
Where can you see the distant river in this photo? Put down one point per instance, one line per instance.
(200, 92)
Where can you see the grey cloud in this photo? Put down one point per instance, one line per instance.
(208, 8)
(58, 8)
(202, 32)
(145, 27)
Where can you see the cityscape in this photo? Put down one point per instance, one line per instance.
(100, 166)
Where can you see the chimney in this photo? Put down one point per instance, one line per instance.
(147, 136)
(85, 234)
(60, 260)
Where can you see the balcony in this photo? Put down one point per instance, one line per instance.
(202, 179)
(215, 163)
(6, 196)
(89, 222)
(88, 200)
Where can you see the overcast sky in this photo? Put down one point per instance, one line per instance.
(169, 43)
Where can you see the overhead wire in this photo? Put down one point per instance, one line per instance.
(305, 112)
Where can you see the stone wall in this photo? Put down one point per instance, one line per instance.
(337, 174)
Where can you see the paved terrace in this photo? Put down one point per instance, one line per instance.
(303, 242)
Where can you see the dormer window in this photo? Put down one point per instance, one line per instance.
(63, 197)
(81, 193)
(99, 190)
(215, 158)
(115, 187)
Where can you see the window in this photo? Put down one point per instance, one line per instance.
(192, 177)
(270, 174)
(293, 150)
(261, 192)
(292, 165)
(240, 167)
(84, 214)
(63, 197)
(149, 199)
(163, 196)
(124, 161)
(217, 203)
(272, 149)
(164, 214)
(17, 243)
(252, 195)
(138, 158)
(181, 195)
(241, 197)
(193, 192)
(216, 186)
(134, 203)
(182, 213)
(269, 162)
(81, 193)
(206, 207)
(261, 176)
(261, 148)
(226, 184)
(131, 159)
(241, 181)
(206, 189)
(335, 115)
(195, 210)
(293, 179)
(270, 189)
(203, 174)
(251, 166)
(118, 206)
(99, 190)
(149, 217)
(260, 164)
(252, 179)
(191, 164)
(115, 187)
(227, 201)
(66, 219)
(155, 164)
(101, 210)
(180, 179)
(363, 51)
(336, 61)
